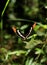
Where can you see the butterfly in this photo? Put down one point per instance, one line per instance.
(24, 37)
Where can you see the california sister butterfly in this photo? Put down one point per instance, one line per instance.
(20, 34)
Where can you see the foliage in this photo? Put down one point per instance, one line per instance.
(22, 14)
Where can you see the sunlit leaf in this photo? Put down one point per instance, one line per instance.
(39, 51)
(30, 61)
(27, 62)
(39, 33)
(32, 43)
(44, 26)
(36, 27)
(17, 53)
(44, 59)
(33, 36)
(24, 27)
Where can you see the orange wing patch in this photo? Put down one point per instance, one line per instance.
(34, 25)
(14, 29)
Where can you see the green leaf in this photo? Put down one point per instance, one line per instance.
(24, 27)
(5, 7)
(33, 36)
(27, 62)
(3, 50)
(17, 53)
(32, 43)
(39, 33)
(44, 59)
(39, 51)
(36, 27)
(30, 61)
(7, 36)
(44, 26)
(1, 24)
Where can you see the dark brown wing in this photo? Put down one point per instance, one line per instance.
(20, 34)
(29, 32)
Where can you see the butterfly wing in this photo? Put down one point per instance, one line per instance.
(29, 32)
(20, 34)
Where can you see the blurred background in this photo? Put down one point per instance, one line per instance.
(23, 14)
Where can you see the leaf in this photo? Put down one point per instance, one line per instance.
(35, 63)
(32, 43)
(44, 26)
(11, 16)
(17, 52)
(36, 27)
(39, 51)
(7, 36)
(24, 27)
(44, 59)
(39, 33)
(5, 7)
(27, 52)
(3, 50)
(1, 24)
(30, 61)
(33, 36)
(27, 62)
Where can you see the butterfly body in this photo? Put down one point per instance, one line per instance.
(24, 37)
